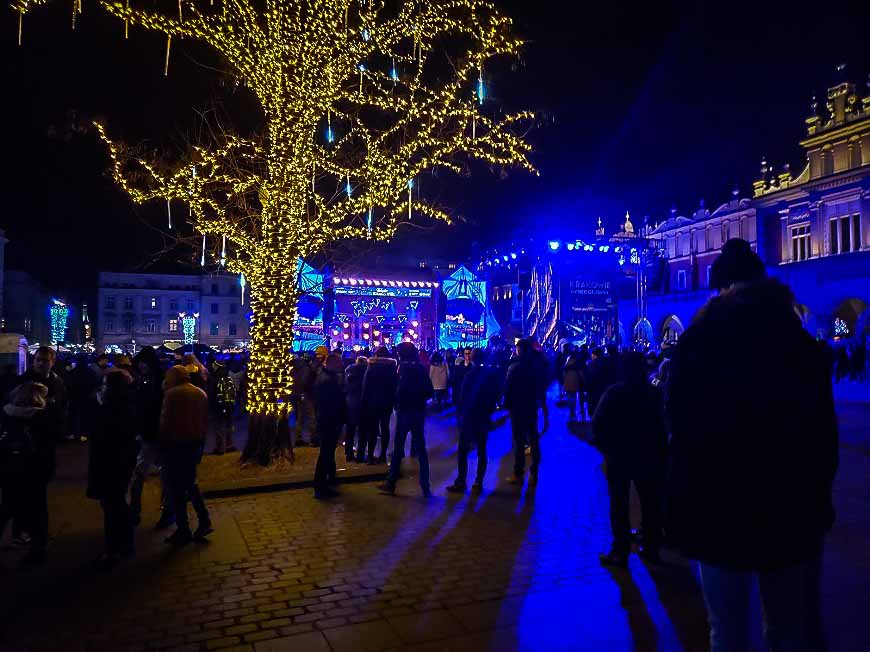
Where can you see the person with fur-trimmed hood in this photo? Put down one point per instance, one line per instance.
(754, 447)
(378, 396)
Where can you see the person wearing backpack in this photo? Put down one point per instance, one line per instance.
(25, 468)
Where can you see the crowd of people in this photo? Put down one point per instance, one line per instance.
(730, 439)
(137, 416)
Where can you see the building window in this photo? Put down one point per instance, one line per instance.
(856, 232)
(233, 329)
(709, 273)
(681, 279)
(128, 303)
(215, 309)
(150, 326)
(153, 303)
(451, 266)
(744, 229)
(173, 304)
(214, 289)
(189, 305)
(173, 325)
(234, 308)
(724, 233)
(707, 237)
(800, 242)
(110, 326)
(128, 325)
(215, 328)
(422, 264)
(110, 303)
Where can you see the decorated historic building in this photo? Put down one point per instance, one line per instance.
(811, 229)
(816, 225)
(135, 309)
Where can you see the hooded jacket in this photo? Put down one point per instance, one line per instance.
(27, 446)
(379, 385)
(754, 435)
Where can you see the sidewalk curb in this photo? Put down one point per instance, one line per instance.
(274, 487)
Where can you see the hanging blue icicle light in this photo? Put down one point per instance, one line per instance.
(366, 34)
(394, 72)
(481, 88)
(347, 186)
(330, 137)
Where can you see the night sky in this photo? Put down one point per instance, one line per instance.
(641, 107)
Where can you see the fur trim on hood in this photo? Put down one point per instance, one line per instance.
(769, 298)
(387, 361)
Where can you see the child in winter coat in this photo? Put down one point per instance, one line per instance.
(438, 374)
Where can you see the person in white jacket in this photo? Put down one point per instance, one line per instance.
(438, 374)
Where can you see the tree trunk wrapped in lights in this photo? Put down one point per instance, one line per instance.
(361, 95)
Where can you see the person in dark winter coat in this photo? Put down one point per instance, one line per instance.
(413, 389)
(629, 428)
(57, 408)
(601, 373)
(113, 451)
(51, 429)
(23, 449)
(378, 397)
(331, 411)
(525, 394)
(754, 446)
(148, 398)
(572, 383)
(354, 433)
(481, 391)
(461, 365)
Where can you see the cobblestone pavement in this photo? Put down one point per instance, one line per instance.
(508, 570)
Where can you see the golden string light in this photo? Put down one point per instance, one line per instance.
(369, 74)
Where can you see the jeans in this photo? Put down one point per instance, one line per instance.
(473, 433)
(149, 457)
(181, 461)
(223, 428)
(324, 471)
(305, 414)
(650, 490)
(25, 502)
(524, 429)
(117, 524)
(409, 421)
(354, 434)
(378, 423)
(790, 601)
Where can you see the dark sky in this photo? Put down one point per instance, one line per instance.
(646, 105)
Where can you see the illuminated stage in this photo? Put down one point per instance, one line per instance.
(383, 309)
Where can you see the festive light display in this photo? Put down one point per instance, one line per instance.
(59, 318)
(376, 75)
(188, 326)
(841, 329)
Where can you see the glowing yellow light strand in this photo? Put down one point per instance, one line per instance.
(274, 196)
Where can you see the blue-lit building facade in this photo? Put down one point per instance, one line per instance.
(811, 229)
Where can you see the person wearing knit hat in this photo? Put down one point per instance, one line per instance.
(753, 456)
(737, 263)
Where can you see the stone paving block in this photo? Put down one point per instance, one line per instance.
(427, 626)
(307, 642)
(225, 642)
(362, 637)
